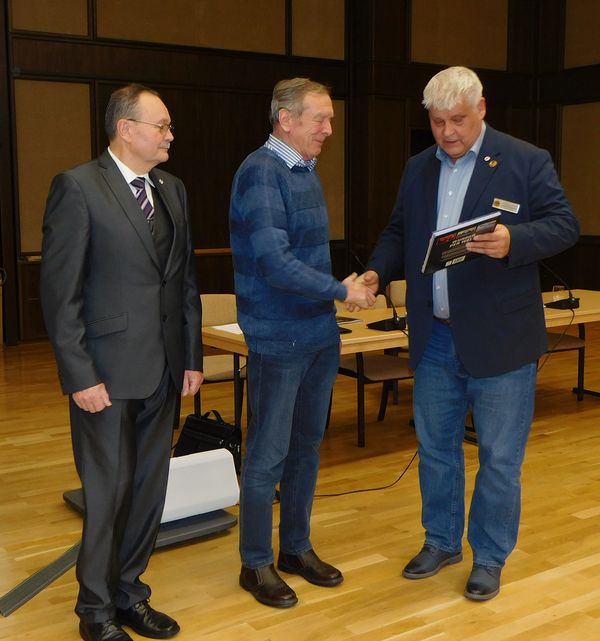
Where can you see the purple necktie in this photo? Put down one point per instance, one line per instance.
(139, 184)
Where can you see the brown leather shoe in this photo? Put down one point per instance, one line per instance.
(267, 587)
(309, 566)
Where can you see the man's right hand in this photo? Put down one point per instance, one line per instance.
(369, 280)
(92, 399)
(359, 295)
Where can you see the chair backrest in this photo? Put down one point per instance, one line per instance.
(380, 302)
(397, 292)
(218, 309)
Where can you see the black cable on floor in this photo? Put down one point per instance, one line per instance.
(372, 489)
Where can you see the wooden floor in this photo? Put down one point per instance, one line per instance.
(550, 587)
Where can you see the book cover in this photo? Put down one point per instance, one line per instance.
(447, 247)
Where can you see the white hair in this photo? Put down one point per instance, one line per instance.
(450, 87)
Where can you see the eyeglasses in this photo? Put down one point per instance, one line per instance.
(162, 128)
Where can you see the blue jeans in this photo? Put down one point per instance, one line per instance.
(289, 398)
(502, 408)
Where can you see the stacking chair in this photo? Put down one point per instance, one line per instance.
(396, 292)
(374, 368)
(220, 309)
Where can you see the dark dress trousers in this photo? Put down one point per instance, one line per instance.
(121, 308)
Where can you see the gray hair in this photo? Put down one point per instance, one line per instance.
(451, 86)
(289, 94)
(123, 103)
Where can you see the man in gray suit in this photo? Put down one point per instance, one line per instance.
(123, 314)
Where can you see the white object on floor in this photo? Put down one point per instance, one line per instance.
(199, 483)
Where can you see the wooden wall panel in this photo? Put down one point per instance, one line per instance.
(331, 168)
(389, 120)
(320, 38)
(164, 65)
(470, 33)
(53, 134)
(391, 30)
(223, 24)
(582, 45)
(31, 319)
(66, 17)
(375, 172)
(214, 132)
(579, 169)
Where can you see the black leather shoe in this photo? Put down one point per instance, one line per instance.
(267, 587)
(310, 567)
(147, 621)
(484, 583)
(105, 631)
(429, 561)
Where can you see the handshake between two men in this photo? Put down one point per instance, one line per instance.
(362, 290)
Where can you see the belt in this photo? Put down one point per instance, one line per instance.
(444, 321)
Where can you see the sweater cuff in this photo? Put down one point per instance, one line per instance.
(341, 292)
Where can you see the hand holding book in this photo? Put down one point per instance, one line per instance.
(448, 247)
(495, 244)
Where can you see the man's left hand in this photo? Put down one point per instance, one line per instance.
(495, 244)
(191, 382)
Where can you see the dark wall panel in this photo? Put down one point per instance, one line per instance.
(218, 100)
(214, 132)
(153, 64)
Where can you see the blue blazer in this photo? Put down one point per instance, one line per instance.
(496, 307)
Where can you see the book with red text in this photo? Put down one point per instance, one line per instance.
(447, 247)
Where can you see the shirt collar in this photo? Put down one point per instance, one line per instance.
(128, 174)
(288, 154)
(441, 155)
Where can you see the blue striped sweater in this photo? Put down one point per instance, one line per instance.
(280, 243)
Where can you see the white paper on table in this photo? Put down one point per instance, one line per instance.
(232, 328)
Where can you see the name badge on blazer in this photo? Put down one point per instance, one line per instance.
(506, 205)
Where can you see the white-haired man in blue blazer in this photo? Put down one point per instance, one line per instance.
(477, 328)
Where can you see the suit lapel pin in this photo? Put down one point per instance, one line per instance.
(487, 159)
(493, 163)
(161, 181)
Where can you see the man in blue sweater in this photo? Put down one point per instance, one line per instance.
(285, 293)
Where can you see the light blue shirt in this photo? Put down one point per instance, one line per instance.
(289, 155)
(452, 187)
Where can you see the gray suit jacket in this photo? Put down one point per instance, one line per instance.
(112, 314)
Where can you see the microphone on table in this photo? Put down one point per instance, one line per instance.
(562, 303)
(389, 324)
(397, 322)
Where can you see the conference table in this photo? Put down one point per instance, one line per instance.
(361, 339)
(587, 312)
